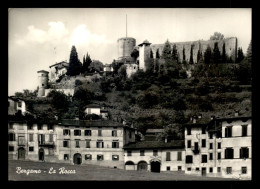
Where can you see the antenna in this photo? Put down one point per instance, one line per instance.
(126, 25)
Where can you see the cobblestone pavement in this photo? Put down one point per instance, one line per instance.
(17, 172)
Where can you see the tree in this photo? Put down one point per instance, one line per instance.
(95, 66)
(86, 63)
(151, 53)
(122, 72)
(249, 52)
(199, 55)
(59, 100)
(166, 53)
(224, 56)
(216, 54)
(175, 53)
(207, 55)
(135, 53)
(74, 63)
(217, 36)
(191, 54)
(240, 55)
(184, 56)
(157, 54)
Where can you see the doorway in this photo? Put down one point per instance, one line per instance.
(142, 166)
(41, 154)
(203, 171)
(155, 166)
(21, 153)
(77, 159)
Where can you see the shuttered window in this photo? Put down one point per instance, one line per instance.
(228, 131)
(179, 158)
(229, 153)
(244, 153)
(168, 156)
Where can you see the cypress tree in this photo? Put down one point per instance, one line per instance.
(183, 54)
(207, 55)
(87, 62)
(191, 54)
(240, 55)
(151, 53)
(224, 56)
(74, 64)
(166, 53)
(157, 54)
(175, 53)
(216, 53)
(249, 52)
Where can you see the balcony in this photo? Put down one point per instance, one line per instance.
(46, 144)
(195, 149)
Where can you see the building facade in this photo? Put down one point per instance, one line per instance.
(16, 106)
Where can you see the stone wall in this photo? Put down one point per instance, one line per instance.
(230, 43)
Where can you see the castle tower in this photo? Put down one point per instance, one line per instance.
(43, 77)
(144, 52)
(125, 47)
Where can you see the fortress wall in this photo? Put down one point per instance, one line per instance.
(230, 43)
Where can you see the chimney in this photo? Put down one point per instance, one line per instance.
(236, 113)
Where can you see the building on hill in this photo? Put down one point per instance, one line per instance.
(43, 79)
(220, 147)
(16, 106)
(58, 70)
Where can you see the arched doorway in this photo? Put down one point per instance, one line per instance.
(41, 154)
(142, 166)
(21, 153)
(77, 159)
(155, 166)
(129, 165)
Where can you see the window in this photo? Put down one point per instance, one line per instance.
(50, 127)
(141, 152)
(243, 170)
(219, 145)
(189, 169)
(210, 156)
(229, 153)
(39, 126)
(29, 126)
(100, 157)
(66, 143)
(197, 169)
(244, 130)
(189, 144)
(210, 135)
(77, 132)
(66, 132)
(66, 156)
(19, 104)
(88, 157)
(87, 132)
(77, 143)
(229, 170)
(219, 169)
(204, 159)
(155, 152)
(168, 168)
(31, 148)
(51, 138)
(211, 169)
(228, 131)
(114, 133)
(203, 130)
(188, 131)
(244, 153)
(41, 138)
(179, 158)
(30, 137)
(129, 153)
(211, 145)
(11, 125)
(87, 143)
(115, 157)
(168, 156)
(99, 132)
(11, 148)
(203, 141)
(188, 159)
(219, 155)
(100, 144)
(179, 168)
(11, 137)
(115, 144)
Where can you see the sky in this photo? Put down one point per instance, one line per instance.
(40, 37)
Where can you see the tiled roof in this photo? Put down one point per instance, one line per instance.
(66, 64)
(42, 71)
(155, 145)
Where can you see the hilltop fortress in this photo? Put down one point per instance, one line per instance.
(125, 47)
